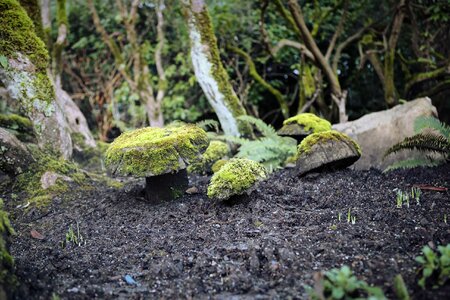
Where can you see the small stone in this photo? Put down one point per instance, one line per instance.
(192, 190)
(49, 178)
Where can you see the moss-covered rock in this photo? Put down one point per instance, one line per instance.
(154, 151)
(15, 158)
(20, 126)
(216, 150)
(326, 150)
(7, 278)
(236, 177)
(218, 164)
(303, 125)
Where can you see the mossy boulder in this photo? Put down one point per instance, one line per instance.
(161, 155)
(236, 177)
(18, 125)
(7, 278)
(302, 125)
(154, 151)
(216, 150)
(15, 158)
(326, 150)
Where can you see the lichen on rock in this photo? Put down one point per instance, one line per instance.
(154, 151)
(236, 177)
(303, 125)
(216, 150)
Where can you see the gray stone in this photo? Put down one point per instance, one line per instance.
(377, 132)
(14, 156)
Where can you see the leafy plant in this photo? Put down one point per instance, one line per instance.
(435, 266)
(431, 137)
(342, 284)
(270, 149)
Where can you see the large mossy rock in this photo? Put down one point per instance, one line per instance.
(14, 156)
(236, 177)
(302, 125)
(378, 131)
(154, 151)
(326, 150)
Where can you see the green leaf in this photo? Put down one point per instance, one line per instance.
(4, 62)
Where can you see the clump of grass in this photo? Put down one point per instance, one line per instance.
(435, 267)
(73, 237)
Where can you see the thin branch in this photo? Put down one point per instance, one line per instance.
(285, 42)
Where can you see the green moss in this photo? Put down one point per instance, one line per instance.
(45, 92)
(322, 137)
(155, 151)
(6, 260)
(235, 177)
(15, 122)
(34, 12)
(218, 164)
(310, 122)
(30, 181)
(215, 151)
(204, 25)
(18, 35)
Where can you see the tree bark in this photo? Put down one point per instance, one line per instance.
(210, 72)
(26, 79)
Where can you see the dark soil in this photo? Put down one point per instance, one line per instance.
(266, 245)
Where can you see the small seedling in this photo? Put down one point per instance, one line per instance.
(342, 284)
(349, 215)
(445, 218)
(72, 237)
(435, 267)
(399, 199)
(415, 194)
(339, 217)
(353, 220)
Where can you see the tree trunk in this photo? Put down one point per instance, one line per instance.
(210, 72)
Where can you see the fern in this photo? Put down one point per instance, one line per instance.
(270, 149)
(425, 142)
(208, 123)
(413, 163)
(422, 123)
(266, 130)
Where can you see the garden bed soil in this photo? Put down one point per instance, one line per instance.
(267, 245)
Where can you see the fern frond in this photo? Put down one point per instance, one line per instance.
(413, 163)
(266, 130)
(425, 142)
(430, 122)
(208, 123)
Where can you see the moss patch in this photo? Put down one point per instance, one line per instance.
(322, 137)
(155, 151)
(6, 260)
(218, 164)
(215, 151)
(18, 35)
(235, 177)
(310, 122)
(30, 181)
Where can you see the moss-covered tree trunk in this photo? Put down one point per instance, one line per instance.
(23, 72)
(210, 72)
(74, 117)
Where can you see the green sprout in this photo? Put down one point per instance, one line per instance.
(339, 217)
(353, 220)
(399, 199)
(72, 237)
(415, 194)
(349, 215)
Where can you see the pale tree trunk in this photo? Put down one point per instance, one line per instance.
(74, 117)
(27, 82)
(210, 72)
